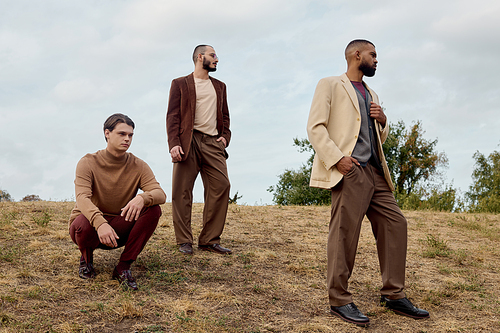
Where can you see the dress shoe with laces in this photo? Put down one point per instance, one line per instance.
(351, 314)
(86, 270)
(125, 278)
(215, 248)
(404, 307)
(186, 248)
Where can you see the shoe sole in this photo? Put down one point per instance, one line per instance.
(407, 315)
(87, 277)
(209, 249)
(361, 324)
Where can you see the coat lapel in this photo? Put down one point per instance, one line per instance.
(350, 91)
(192, 93)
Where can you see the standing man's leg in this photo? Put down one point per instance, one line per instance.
(389, 227)
(216, 189)
(390, 230)
(183, 177)
(350, 199)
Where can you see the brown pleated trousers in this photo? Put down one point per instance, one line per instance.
(208, 157)
(364, 191)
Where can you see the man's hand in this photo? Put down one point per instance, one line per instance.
(107, 235)
(345, 164)
(132, 210)
(376, 112)
(176, 153)
(223, 141)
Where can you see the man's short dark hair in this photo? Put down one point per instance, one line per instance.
(357, 43)
(199, 49)
(116, 119)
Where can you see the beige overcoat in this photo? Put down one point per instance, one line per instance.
(333, 127)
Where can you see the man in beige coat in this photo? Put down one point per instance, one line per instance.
(347, 127)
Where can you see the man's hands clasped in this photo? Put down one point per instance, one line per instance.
(131, 212)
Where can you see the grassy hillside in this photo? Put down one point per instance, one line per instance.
(274, 281)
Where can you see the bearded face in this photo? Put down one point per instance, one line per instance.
(367, 69)
(207, 65)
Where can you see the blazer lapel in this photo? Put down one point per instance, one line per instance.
(350, 91)
(192, 93)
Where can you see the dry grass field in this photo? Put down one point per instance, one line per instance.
(274, 281)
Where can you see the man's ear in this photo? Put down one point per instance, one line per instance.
(106, 133)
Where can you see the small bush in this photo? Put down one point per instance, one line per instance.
(31, 197)
(436, 247)
(42, 220)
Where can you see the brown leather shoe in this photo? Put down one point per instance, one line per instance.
(86, 271)
(186, 248)
(125, 278)
(215, 248)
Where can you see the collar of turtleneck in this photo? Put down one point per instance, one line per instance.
(113, 159)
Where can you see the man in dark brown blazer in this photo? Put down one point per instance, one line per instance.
(198, 134)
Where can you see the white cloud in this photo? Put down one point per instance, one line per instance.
(66, 66)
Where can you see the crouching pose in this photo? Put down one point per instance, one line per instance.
(108, 212)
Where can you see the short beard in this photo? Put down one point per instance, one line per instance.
(206, 66)
(367, 70)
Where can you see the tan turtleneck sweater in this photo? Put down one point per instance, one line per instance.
(104, 184)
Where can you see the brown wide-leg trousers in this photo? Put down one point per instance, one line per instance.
(208, 157)
(364, 191)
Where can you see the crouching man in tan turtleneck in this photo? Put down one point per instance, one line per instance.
(108, 212)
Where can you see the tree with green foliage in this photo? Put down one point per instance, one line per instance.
(484, 193)
(293, 185)
(415, 166)
(412, 160)
(5, 196)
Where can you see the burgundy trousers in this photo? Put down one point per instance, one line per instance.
(133, 234)
(364, 191)
(208, 157)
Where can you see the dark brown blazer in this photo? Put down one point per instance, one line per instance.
(181, 110)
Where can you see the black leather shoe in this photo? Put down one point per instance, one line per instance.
(351, 314)
(125, 278)
(86, 271)
(404, 307)
(186, 248)
(215, 248)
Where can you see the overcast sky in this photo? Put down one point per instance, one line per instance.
(65, 66)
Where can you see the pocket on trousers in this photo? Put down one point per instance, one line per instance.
(350, 172)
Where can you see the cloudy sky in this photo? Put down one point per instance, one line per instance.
(65, 66)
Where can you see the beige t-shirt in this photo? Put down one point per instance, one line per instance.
(205, 117)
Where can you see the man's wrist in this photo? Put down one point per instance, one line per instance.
(100, 225)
